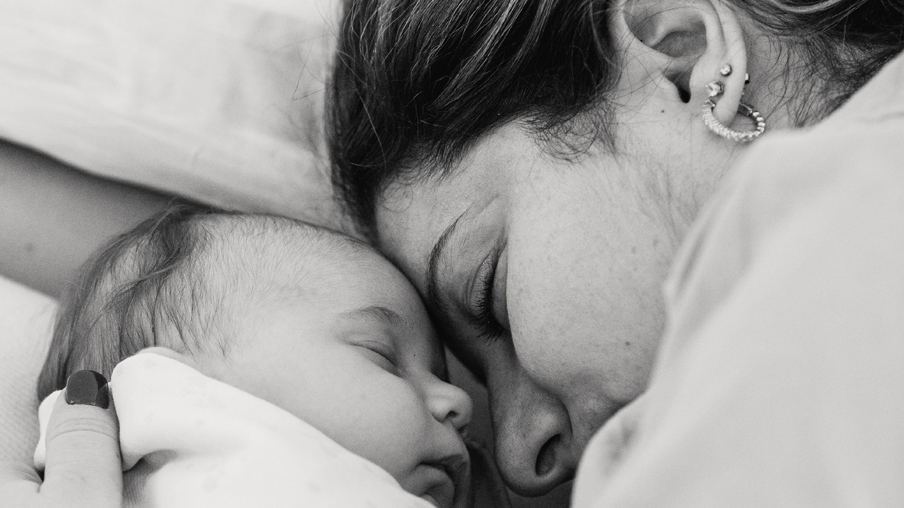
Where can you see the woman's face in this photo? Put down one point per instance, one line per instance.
(544, 275)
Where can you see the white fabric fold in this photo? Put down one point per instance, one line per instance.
(191, 441)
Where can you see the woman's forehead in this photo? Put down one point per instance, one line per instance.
(410, 220)
(413, 217)
(430, 203)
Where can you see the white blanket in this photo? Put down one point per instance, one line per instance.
(191, 441)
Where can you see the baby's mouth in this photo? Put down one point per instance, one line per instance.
(452, 491)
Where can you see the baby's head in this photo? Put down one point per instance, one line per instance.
(308, 319)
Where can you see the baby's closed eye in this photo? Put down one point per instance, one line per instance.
(381, 354)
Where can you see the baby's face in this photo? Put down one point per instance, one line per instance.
(353, 353)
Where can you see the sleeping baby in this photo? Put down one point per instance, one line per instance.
(288, 362)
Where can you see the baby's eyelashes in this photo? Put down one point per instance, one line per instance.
(382, 356)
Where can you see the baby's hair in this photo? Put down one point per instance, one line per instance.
(165, 283)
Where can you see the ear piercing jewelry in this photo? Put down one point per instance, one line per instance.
(717, 88)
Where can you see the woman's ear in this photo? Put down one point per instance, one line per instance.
(684, 44)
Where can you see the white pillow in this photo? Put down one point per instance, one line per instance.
(217, 100)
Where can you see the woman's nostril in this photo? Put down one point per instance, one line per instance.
(546, 459)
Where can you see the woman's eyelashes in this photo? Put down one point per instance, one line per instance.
(500, 290)
(483, 306)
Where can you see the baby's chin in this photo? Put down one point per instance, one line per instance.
(446, 497)
(445, 484)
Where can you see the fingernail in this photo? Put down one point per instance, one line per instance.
(88, 388)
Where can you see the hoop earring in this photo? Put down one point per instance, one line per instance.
(721, 130)
(716, 89)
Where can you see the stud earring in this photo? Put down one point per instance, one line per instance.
(715, 89)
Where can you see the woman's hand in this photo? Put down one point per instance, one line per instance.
(83, 465)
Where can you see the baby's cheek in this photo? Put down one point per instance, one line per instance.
(396, 431)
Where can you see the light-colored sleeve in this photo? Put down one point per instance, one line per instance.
(780, 381)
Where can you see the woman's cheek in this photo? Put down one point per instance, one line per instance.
(558, 302)
(534, 309)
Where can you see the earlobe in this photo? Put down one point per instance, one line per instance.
(687, 42)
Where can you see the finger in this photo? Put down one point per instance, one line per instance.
(83, 462)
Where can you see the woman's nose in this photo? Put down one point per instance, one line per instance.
(448, 402)
(534, 448)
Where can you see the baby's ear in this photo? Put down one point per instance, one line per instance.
(169, 353)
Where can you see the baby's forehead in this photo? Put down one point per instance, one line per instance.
(351, 285)
(284, 251)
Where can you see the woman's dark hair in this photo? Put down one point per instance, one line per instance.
(843, 42)
(417, 82)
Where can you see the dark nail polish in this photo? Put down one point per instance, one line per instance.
(88, 388)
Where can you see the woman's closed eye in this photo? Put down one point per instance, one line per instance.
(485, 299)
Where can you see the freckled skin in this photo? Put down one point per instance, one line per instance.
(583, 303)
(588, 243)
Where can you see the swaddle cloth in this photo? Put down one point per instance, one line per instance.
(191, 441)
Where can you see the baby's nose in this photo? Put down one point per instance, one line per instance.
(448, 402)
